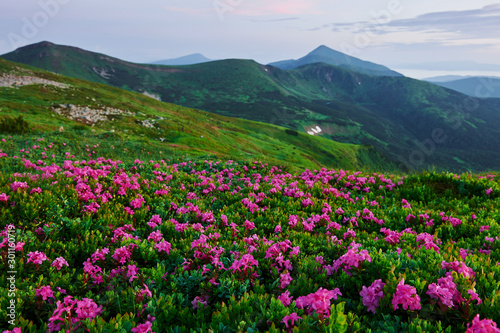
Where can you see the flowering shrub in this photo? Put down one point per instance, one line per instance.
(243, 246)
(406, 296)
(372, 295)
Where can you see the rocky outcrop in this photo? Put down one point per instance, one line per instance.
(11, 80)
(86, 114)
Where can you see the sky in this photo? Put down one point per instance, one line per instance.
(428, 36)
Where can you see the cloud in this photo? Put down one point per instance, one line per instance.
(251, 8)
(276, 20)
(467, 27)
(276, 7)
(476, 23)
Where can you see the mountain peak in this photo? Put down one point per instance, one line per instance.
(324, 54)
(322, 48)
(42, 44)
(191, 59)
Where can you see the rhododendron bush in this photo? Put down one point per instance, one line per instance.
(175, 246)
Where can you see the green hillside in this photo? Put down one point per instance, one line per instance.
(146, 127)
(417, 124)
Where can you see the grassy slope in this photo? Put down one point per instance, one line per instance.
(223, 137)
(389, 113)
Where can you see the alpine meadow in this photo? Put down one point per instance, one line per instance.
(325, 193)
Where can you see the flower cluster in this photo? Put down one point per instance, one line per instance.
(407, 296)
(318, 301)
(372, 295)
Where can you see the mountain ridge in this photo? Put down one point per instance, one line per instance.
(474, 86)
(396, 115)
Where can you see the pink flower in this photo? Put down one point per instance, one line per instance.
(349, 260)
(246, 262)
(4, 197)
(285, 298)
(156, 236)
(18, 185)
(307, 202)
(460, 267)
(122, 254)
(293, 220)
(428, 241)
(483, 228)
(59, 262)
(349, 233)
(293, 317)
(132, 272)
(285, 279)
(474, 296)
(87, 308)
(488, 191)
(200, 300)
(45, 292)
(37, 257)
(19, 246)
(445, 291)
(163, 246)
(143, 328)
(249, 225)
(392, 237)
(36, 190)
(15, 329)
(295, 251)
(154, 221)
(406, 296)
(318, 301)
(482, 326)
(129, 211)
(92, 208)
(181, 227)
(137, 202)
(372, 295)
(144, 291)
(100, 254)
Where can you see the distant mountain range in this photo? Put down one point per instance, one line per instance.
(414, 123)
(450, 66)
(475, 86)
(191, 59)
(326, 55)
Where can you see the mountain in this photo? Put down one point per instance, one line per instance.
(476, 86)
(450, 66)
(324, 54)
(80, 109)
(191, 59)
(414, 123)
(445, 78)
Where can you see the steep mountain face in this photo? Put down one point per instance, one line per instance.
(415, 123)
(191, 59)
(326, 55)
(482, 87)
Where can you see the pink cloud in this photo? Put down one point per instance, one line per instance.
(276, 7)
